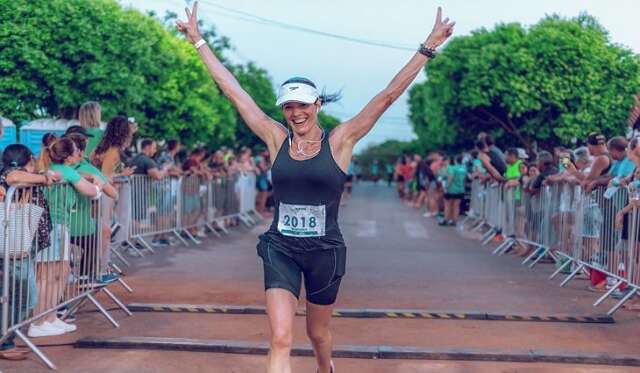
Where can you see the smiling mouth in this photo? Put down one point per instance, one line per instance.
(298, 121)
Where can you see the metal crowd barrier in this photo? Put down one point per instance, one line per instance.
(178, 207)
(575, 228)
(53, 257)
(45, 272)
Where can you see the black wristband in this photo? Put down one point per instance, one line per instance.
(426, 51)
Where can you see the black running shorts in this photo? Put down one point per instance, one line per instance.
(322, 270)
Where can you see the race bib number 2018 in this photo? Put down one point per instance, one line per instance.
(301, 220)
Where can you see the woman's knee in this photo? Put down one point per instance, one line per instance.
(319, 334)
(282, 338)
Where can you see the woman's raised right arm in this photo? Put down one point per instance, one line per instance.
(267, 129)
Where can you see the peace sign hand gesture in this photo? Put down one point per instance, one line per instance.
(441, 31)
(190, 27)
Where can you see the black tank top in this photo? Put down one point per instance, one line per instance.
(318, 181)
(497, 162)
(606, 170)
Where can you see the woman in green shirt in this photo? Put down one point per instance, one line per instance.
(53, 263)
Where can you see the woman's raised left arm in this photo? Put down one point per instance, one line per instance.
(356, 128)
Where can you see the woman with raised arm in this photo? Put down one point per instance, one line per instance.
(309, 171)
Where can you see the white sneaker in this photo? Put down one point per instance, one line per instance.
(201, 234)
(46, 329)
(66, 327)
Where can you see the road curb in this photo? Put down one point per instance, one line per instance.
(360, 351)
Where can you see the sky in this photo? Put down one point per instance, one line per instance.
(360, 71)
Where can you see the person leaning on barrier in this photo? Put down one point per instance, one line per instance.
(512, 173)
(579, 165)
(54, 268)
(150, 192)
(619, 165)
(602, 162)
(82, 227)
(491, 161)
(19, 168)
(145, 165)
(546, 168)
(168, 157)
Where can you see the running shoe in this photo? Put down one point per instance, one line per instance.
(46, 329)
(160, 243)
(68, 328)
(108, 278)
(62, 314)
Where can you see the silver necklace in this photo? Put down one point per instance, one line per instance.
(300, 151)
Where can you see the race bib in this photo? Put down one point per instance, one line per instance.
(301, 220)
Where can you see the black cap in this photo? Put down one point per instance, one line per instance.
(596, 138)
(79, 130)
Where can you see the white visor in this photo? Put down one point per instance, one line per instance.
(298, 92)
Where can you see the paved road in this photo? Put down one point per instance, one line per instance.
(396, 259)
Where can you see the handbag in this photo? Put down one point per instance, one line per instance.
(21, 226)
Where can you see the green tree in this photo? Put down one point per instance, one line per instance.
(555, 81)
(56, 54)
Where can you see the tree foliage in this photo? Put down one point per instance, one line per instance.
(57, 54)
(553, 82)
(386, 153)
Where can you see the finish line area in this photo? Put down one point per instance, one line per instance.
(408, 304)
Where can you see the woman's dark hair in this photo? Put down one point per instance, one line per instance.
(79, 140)
(489, 140)
(16, 155)
(117, 133)
(58, 151)
(325, 98)
(172, 144)
(481, 144)
(459, 158)
(48, 138)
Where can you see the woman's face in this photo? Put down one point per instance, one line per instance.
(582, 163)
(30, 166)
(301, 117)
(75, 157)
(524, 169)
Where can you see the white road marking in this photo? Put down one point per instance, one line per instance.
(415, 229)
(367, 228)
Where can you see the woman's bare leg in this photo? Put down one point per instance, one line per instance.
(281, 309)
(318, 318)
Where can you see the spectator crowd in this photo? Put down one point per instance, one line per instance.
(71, 175)
(599, 167)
